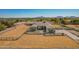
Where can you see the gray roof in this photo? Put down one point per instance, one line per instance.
(42, 24)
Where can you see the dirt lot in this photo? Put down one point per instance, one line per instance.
(16, 31)
(39, 41)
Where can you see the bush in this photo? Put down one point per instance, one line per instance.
(2, 27)
(51, 30)
(75, 21)
(32, 29)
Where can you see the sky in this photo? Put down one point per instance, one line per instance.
(38, 12)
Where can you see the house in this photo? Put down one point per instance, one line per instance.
(41, 27)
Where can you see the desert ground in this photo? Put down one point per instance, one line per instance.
(73, 26)
(36, 41)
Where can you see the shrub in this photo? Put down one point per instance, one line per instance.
(50, 30)
(2, 27)
(32, 29)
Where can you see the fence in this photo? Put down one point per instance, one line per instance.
(10, 37)
(4, 38)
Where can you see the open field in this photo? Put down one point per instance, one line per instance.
(72, 26)
(56, 26)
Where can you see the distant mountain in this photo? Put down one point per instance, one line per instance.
(59, 16)
(72, 16)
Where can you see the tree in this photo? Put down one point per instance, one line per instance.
(75, 21)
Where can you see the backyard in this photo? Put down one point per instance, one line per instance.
(36, 41)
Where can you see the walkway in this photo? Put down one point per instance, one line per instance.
(69, 34)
